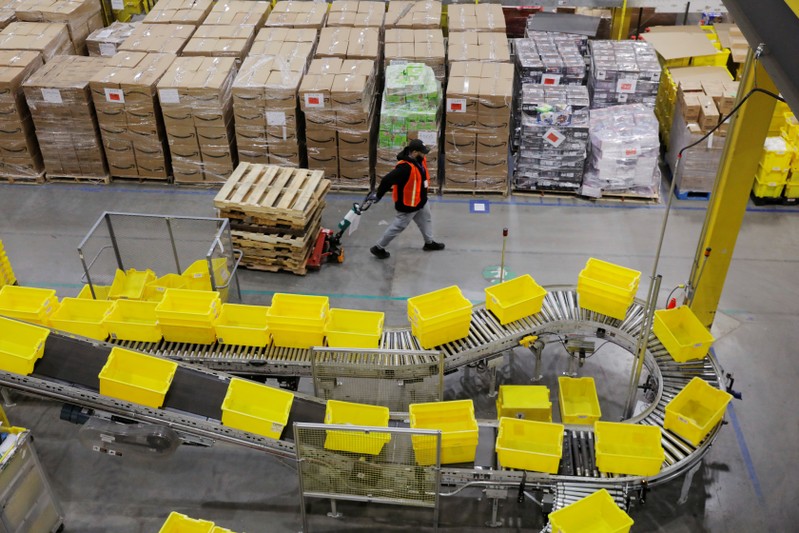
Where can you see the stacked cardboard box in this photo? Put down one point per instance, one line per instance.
(195, 97)
(239, 13)
(699, 165)
(61, 105)
(48, 39)
(478, 115)
(20, 158)
(476, 17)
(221, 41)
(473, 46)
(81, 17)
(624, 152)
(269, 128)
(530, 32)
(623, 72)
(553, 141)
(124, 94)
(705, 102)
(417, 46)
(158, 38)
(349, 43)
(549, 58)
(105, 41)
(297, 14)
(357, 13)
(191, 12)
(415, 14)
(7, 14)
(410, 109)
(338, 98)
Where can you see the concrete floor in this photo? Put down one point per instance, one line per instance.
(748, 482)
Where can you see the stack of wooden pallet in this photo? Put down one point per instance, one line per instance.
(275, 214)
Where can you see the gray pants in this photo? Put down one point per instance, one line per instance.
(423, 219)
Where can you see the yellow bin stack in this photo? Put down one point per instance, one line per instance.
(6, 272)
(682, 334)
(529, 445)
(606, 288)
(28, 304)
(696, 410)
(256, 408)
(459, 432)
(348, 328)
(21, 345)
(135, 377)
(440, 316)
(242, 325)
(154, 290)
(595, 513)
(82, 317)
(100, 291)
(631, 449)
(198, 276)
(130, 284)
(133, 320)
(357, 414)
(298, 321)
(528, 402)
(579, 403)
(515, 299)
(188, 316)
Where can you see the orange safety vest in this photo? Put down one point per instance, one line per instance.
(412, 192)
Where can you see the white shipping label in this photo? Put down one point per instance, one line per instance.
(118, 4)
(601, 75)
(626, 86)
(554, 137)
(622, 97)
(399, 62)
(107, 49)
(275, 118)
(315, 100)
(456, 105)
(428, 137)
(52, 96)
(169, 96)
(550, 79)
(115, 96)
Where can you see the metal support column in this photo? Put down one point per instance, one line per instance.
(730, 194)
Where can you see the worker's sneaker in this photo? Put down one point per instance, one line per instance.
(380, 253)
(432, 246)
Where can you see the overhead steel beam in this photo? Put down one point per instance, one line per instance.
(776, 26)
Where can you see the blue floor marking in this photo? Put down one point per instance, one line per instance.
(750, 467)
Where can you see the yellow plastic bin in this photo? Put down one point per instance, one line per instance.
(28, 303)
(440, 316)
(256, 408)
(682, 334)
(188, 315)
(767, 190)
(631, 449)
(515, 298)
(459, 431)
(579, 403)
(242, 325)
(136, 377)
(348, 328)
(597, 513)
(154, 290)
(607, 288)
(101, 291)
(180, 523)
(21, 345)
(529, 445)
(357, 414)
(298, 320)
(696, 410)
(130, 284)
(133, 320)
(528, 402)
(218, 529)
(198, 277)
(82, 317)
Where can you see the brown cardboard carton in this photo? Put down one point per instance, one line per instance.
(494, 145)
(708, 113)
(104, 42)
(460, 144)
(728, 97)
(364, 43)
(461, 100)
(333, 42)
(170, 39)
(314, 92)
(49, 39)
(491, 166)
(490, 17)
(494, 102)
(80, 16)
(413, 14)
(325, 65)
(191, 12)
(690, 106)
(295, 14)
(239, 13)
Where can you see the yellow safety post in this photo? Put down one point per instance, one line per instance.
(620, 22)
(731, 190)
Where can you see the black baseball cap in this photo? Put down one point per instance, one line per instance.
(417, 146)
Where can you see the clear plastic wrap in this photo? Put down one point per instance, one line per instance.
(105, 41)
(81, 17)
(483, 46)
(417, 14)
(220, 41)
(239, 13)
(19, 151)
(191, 12)
(196, 101)
(624, 152)
(475, 17)
(158, 38)
(297, 14)
(700, 163)
(417, 46)
(623, 72)
(349, 43)
(553, 137)
(49, 39)
(355, 13)
(61, 105)
(7, 14)
(131, 125)
(550, 58)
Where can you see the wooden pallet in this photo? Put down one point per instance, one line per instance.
(23, 180)
(279, 195)
(142, 179)
(104, 180)
(632, 198)
(474, 192)
(256, 224)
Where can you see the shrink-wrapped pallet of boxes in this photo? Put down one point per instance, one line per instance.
(239, 13)
(80, 16)
(349, 43)
(417, 46)
(20, 159)
(158, 38)
(476, 18)
(297, 14)
(410, 109)
(131, 125)
(190, 12)
(7, 14)
(60, 103)
(106, 41)
(413, 14)
(478, 46)
(49, 39)
(549, 58)
(360, 14)
(623, 72)
(196, 102)
(222, 40)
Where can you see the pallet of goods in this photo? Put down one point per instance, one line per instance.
(623, 72)
(275, 214)
(81, 17)
(105, 42)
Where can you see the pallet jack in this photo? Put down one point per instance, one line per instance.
(328, 248)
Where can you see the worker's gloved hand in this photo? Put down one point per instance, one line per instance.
(372, 197)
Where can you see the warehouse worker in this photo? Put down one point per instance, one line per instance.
(409, 181)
